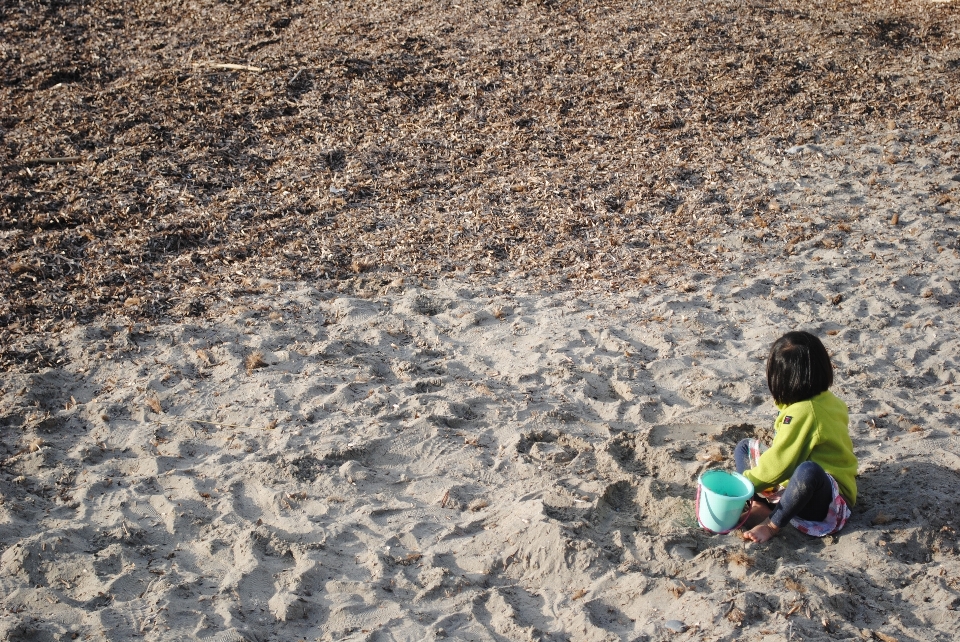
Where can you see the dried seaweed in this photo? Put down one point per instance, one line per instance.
(156, 156)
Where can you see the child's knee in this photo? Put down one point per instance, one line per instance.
(810, 467)
(807, 472)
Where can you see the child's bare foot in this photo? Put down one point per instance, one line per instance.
(761, 533)
(758, 512)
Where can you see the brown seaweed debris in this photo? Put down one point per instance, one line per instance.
(254, 361)
(154, 163)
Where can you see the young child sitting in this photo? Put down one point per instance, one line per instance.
(807, 476)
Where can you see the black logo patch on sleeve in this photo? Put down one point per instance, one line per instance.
(787, 420)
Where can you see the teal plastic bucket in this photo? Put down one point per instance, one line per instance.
(721, 497)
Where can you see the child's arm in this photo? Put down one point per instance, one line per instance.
(794, 440)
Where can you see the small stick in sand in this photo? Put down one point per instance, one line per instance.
(34, 446)
(52, 160)
(216, 423)
(229, 65)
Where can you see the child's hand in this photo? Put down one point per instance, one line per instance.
(761, 533)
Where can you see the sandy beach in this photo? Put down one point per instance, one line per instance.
(483, 463)
(499, 447)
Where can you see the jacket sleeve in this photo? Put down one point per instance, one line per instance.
(791, 447)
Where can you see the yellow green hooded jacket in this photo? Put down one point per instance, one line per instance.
(813, 430)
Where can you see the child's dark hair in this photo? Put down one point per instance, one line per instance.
(798, 368)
